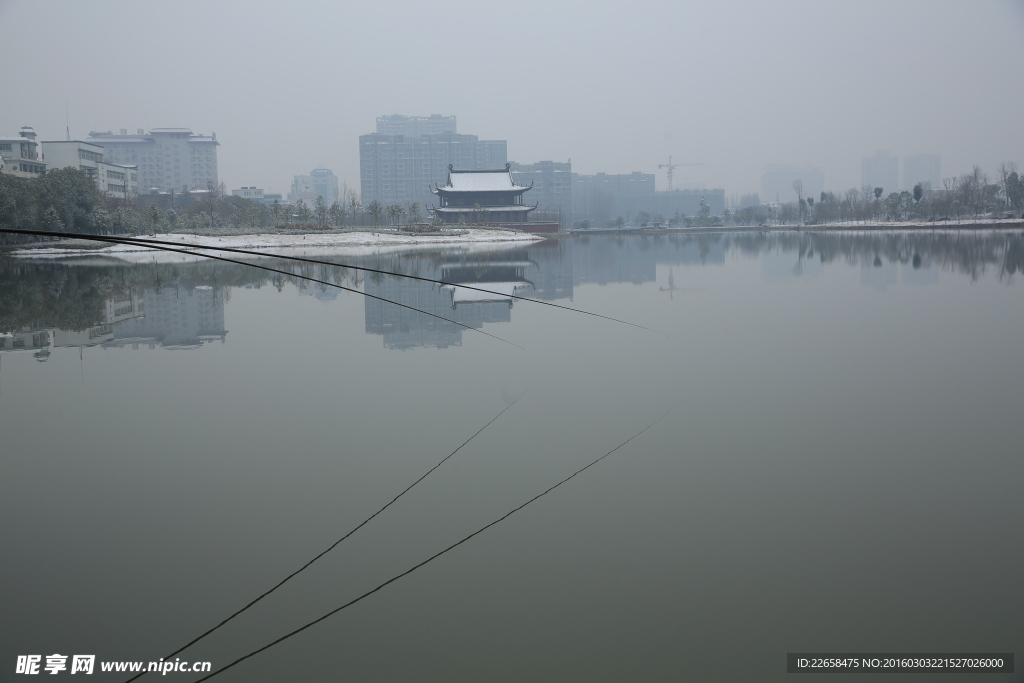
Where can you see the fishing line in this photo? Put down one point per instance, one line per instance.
(429, 559)
(335, 544)
(272, 270)
(138, 241)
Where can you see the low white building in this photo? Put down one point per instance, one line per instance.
(22, 155)
(115, 179)
(254, 193)
(258, 194)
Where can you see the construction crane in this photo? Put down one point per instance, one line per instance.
(671, 168)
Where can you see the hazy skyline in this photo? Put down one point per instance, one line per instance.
(616, 88)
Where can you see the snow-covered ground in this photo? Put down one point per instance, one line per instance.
(353, 243)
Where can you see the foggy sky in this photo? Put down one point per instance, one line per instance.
(616, 87)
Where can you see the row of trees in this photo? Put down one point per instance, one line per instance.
(970, 195)
(67, 200)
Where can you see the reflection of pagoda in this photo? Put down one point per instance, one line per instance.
(488, 196)
(501, 278)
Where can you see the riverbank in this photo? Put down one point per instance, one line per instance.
(937, 226)
(280, 243)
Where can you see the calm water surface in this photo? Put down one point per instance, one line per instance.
(840, 468)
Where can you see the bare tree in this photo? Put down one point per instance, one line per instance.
(376, 211)
(395, 212)
(1005, 170)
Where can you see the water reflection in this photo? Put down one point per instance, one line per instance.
(534, 272)
(87, 302)
(186, 316)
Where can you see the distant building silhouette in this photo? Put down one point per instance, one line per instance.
(777, 182)
(880, 170)
(604, 196)
(922, 168)
(321, 182)
(551, 183)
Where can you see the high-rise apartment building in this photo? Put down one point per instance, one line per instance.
(603, 196)
(396, 124)
(880, 170)
(777, 182)
(401, 167)
(552, 187)
(167, 158)
(922, 168)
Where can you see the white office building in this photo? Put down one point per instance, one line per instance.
(167, 158)
(258, 194)
(114, 179)
(254, 193)
(21, 155)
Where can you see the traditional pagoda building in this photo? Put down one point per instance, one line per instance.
(485, 196)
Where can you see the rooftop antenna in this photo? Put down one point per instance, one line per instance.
(671, 168)
(67, 120)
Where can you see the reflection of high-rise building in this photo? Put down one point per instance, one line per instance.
(880, 170)
(546, 270)
(178, 317)
(403, 328)
(538, 271)
(123, 304)
(603, 261)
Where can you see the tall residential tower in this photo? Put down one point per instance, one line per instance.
(408, 155)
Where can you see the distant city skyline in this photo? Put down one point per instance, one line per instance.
(609, 110)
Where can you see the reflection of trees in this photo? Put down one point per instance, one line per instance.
(968, 253)
(70, 299)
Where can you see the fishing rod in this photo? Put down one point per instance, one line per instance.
(336, 543)
(272, 270)
(150, 242)
(428, 560)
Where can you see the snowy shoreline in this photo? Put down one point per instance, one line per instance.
(344, 243)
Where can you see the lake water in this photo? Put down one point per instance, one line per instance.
(839, 470)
